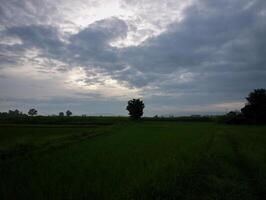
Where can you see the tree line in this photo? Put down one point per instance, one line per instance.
(254, 110)
(32, 112)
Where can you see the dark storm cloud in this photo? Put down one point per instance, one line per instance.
(43, 37)
(221, 42)
(211, 32)
(215, 54)
(92, 43)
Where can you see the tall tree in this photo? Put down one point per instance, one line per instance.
(135, 108)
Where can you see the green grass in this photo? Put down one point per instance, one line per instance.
(142, 160)
(38, 135)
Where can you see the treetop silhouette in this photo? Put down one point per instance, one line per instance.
(135, 108)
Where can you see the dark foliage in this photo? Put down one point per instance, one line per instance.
(32, 112)
(255, 109)
(233, 117)
(135, 108)
(68, 113)
(253, 112)
(57, 120)
(12, 114)
(192, 118)
(61, 114)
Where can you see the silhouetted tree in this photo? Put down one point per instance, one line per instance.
(14, 113)
(68, 113)
(255, 109)
(61, 114)
(32, 112)
(135, 108)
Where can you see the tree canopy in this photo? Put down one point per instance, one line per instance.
(68, 113)
(135, 108)
(255, 108)
(32, 112)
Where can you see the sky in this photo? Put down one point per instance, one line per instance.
(92, 56)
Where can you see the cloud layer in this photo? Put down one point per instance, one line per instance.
(181, 58)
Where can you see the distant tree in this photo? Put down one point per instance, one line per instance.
(135, 108)
(32, 112)
(14, 113)
(61, 114)
(255, 109)
(155, 117)
(68, 113)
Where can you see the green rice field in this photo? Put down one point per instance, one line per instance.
(133, 160)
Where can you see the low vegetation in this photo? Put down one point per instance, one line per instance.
(134, 160)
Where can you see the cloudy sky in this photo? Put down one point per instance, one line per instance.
(91, 56)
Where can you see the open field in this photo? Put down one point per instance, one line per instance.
(133, 160)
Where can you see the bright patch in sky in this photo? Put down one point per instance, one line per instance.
(102, 84)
